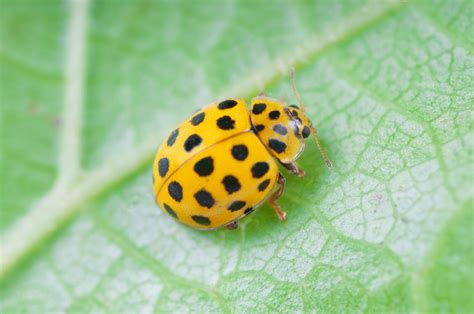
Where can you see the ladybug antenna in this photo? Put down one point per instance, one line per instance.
(321, 149)
(313, 129)
(295, 90)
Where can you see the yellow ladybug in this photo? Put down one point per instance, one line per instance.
(222, 163)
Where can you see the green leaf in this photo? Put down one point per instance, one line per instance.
(89, 91)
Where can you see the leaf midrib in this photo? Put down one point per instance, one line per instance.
(62, 203)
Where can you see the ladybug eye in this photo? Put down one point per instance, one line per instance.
(306, 132)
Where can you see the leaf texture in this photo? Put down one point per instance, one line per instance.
(89, 90)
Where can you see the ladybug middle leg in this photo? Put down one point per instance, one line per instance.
(272, 201)
(294, 169)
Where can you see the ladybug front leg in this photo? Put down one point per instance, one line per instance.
(294, 169)
(272, 201)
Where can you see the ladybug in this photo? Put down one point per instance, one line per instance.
(222, 163)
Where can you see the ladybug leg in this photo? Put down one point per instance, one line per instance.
(272, 201)
(294, 169)
(233, 225)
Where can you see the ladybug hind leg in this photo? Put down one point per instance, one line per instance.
(233, 225)
(273, 198)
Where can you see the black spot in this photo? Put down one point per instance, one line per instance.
(231, 184)
(163, 166)
(204, 198)
(259, 127)
(262, 186)
(280, 129)
(202, 220)
(277, 145)
(275, 114)
(175, 190)
(259, 169)
(294, 106)
(170, 210)
(204, 167)
(225, 123)
(235, 206)
(240, 152)
(172, 137)
(227, 104)
(248, 210)
(192, 141)
(294, 113)
(306, 132)
(258, 108)
(197, 119)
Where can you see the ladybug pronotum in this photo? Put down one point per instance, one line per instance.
(222, 163)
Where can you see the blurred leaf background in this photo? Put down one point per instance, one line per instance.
(89, 90)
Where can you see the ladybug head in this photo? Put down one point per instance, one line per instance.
(304, 127)
(301, 121)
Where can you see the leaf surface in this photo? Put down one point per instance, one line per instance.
(89, 92)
